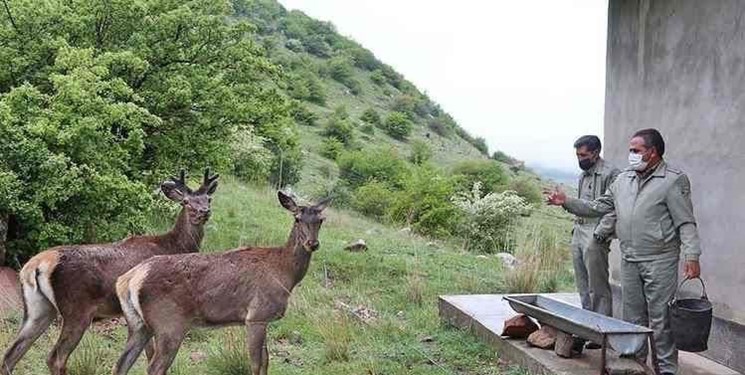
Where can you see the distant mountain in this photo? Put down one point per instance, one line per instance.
(561, 176)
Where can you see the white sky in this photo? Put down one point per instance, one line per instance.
(527, 75)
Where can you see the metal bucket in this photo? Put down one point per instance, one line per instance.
(690, 321)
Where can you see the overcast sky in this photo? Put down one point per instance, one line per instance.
(528, 75)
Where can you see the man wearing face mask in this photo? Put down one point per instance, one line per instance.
(591, 235)
(655, 223)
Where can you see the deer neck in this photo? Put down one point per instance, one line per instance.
(185, 237)
(298, 259)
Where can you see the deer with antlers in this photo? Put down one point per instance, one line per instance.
(165, 296)
(78, 281)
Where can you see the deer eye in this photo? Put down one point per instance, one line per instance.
(185, 201)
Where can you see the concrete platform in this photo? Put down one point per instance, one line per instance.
(484, 315)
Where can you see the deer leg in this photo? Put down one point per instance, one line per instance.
(138, 339)
(150, 350)
(257, 348)
(166, 348)
(38, 316)
(69, 338)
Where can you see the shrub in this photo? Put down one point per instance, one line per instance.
(424, 203)
(527, 188)
(373, 199)
(357, 168)
(420, 152)
(488, 173)
(252, 162)
(397, 125)
(371, 116)
(317, 45)
(341, 70)
(487, 220)
(368, 129)
(502, 157)
(439, 127)
(377, 77)
(339, 129)
(302, 115)
(331, 148)
(294, 45)
(480, 144)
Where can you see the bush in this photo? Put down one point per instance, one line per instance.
(371, 116)
(357, 168)
(377, 77)
(488, 173)
(439, 127)
(480, 144)
(373, 199)
(302, 115)
(341, 70)
(368, 129)
(339, 129)
(398, 125)
(331, 148)
(487, 220)
(294, 45)
(316, 45)
(420, 152)
(502, 157)
(252, 162)
(527, 188)
(424, 203)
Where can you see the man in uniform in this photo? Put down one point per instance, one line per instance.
(655, 222)
(591, 235)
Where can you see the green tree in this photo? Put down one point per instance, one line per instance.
(371, 116)
(420, 152)
(487, 172)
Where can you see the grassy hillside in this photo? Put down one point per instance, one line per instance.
(327, 72)
(355, 313)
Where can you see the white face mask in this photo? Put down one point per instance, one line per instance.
(636, 162)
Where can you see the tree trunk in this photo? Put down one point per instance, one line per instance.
(3, 236)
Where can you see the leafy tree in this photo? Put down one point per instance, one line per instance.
(424, 203)
(100, 100)
(398, 125)
(357, 168)
(339, 129)
(488, 173)
(332, 148)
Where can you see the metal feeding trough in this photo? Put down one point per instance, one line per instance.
(625, 338)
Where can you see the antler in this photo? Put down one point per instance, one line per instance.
(180, 182)
(208, 183)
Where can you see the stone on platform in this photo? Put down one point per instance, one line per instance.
(544, 338)
(519, 327)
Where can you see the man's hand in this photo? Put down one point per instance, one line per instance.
(556, 197)
(692, 269)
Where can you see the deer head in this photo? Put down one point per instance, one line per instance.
(197, 204)
(308, 220)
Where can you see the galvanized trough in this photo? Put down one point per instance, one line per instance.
(625, 338)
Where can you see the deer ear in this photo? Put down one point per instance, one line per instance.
(171, 190)
(287, 202)
(322, 205)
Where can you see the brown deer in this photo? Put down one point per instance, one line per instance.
(78, 282)
(163, 297)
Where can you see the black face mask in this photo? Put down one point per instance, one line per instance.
(586, 164)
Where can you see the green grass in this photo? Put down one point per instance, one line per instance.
(354, 313)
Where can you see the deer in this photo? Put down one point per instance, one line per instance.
(78, 282)
(165, 296)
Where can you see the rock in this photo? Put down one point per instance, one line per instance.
(356, 246)
(482, 257)
(564, 344)
(427, 339)
(432, 244)
(508, 260)
(519, 327)
(544, 338)
(405, 230)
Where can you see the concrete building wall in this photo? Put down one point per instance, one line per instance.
(679, 66)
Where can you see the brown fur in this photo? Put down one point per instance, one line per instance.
(78, 281)
(167, 295)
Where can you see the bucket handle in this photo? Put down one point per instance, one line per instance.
(703, 287)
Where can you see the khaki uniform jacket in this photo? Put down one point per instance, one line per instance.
(591, 185)
(654, 215)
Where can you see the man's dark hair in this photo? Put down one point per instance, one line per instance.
(592, 142)
(652, 138)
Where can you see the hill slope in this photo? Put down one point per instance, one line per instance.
(328, 73)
